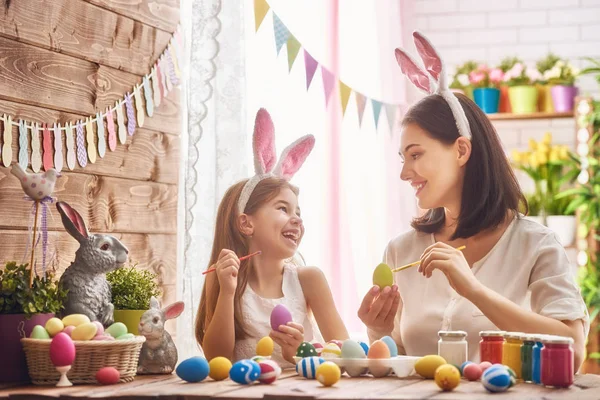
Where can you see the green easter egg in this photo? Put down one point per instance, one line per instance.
(126, 336)
(306, 349)
(39, 332)
(383, 276)
(117, 329)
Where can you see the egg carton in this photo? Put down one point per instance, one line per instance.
(401, 366)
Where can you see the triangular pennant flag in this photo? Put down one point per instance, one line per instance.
(390, 111)
(344, 95)
(361, 102)
(260, 11)
(293, 47)
(328, 83)
(311, 66)
(376, 110)
(281, 33)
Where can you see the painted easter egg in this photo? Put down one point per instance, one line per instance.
(244, 372)
(338, 343)
(485, 365)
(331, 350)
(265, 346)
(108, 376)
(54, 326)
(306, 350)
(365, 347)
(513, 376)
(426, 366)
(472, 372)
(100, 327)
(351, 349)
(127, 336)
(75, 320)
(39, 332)
(328, 373)
(69, 329)
(85, 331)
(463, 365)
(219, 368)
(391, 344)
(62, 350)
(193, 369)
(447, 377)
(307, 367)
(269, 371)
(318, 347)
(496, 379)
(280, 316)
(103, 337)
(117, 329)
(383, 276)
(258, 359)
(379, 350)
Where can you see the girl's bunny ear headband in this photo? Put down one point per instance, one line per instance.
(265, 160)
(434, 80)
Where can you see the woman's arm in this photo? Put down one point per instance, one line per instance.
(320, 300)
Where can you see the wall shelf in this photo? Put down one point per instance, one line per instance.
(538, 115)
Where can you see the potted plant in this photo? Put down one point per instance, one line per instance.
(522, 92)
(544, 95)
(132, 289)
(21, 308)
(505, 65)
(460, 79)
(534, 208)
(485, 82)
(562, 78)
(589, 281)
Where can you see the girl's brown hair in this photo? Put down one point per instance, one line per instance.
(228, 236)
(490, 187)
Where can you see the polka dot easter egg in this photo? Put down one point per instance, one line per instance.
(331, 350)
(244, 372)
(496, 379)
(306, 350)
(193, 369)
(269, 371)
(307, 367)
(328, 373)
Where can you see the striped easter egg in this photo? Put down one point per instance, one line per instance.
(244, 372)
(496, 379)
(269, 371)
(307, 367)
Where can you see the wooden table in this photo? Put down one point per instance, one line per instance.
(290, 386)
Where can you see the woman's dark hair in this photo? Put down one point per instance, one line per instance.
(490, 186)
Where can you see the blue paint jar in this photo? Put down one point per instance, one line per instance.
(537, 360)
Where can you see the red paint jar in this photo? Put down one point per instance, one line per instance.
(490, 346)
(558, 361)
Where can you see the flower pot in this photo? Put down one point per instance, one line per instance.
(13, 327)
(565, 227)
(131, 319)
(563, 97)
(523, 99)
(545, 103)
(487, 99)
(504, 106)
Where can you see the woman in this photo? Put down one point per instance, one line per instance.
(513, 274)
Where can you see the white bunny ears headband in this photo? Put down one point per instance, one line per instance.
(433, 79)
(265, 159)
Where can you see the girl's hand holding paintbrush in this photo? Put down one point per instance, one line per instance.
(227, 267)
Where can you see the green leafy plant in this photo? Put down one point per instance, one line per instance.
(45, 296)
(132, 288)
(534, 205)
(509, 62)
(460, 80)
(546, 63)
(593, 69)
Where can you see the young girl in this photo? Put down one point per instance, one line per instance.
(262, 214)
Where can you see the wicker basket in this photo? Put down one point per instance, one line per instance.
(90, 356)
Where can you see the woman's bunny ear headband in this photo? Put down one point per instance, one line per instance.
(433, 79)
(265, 159)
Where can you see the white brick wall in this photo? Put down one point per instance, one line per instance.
(489, 30)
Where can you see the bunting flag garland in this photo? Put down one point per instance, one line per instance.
(284, 36)
(47, 148)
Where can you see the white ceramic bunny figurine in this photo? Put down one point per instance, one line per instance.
(159, 354)
(89, 291)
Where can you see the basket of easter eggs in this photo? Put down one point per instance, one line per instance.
(84, 346)
(356, 358)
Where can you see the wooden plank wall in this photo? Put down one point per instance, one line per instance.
(61, 60)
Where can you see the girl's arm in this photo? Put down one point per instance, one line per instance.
(319, 299)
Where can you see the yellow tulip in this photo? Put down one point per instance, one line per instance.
(542, 158)
(564, 152)
(532, 144)
(533, 160)
(554, 155)
(516, 156)
(543, 148)
(547, 138)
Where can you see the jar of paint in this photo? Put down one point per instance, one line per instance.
(527, 356)
(511, 352)
(453, 346)
(490, 346)
(558, 361)
(536, 365)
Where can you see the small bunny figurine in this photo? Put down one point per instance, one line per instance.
(88, 290)
(159, 354)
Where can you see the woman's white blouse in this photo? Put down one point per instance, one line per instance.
(527, 266)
